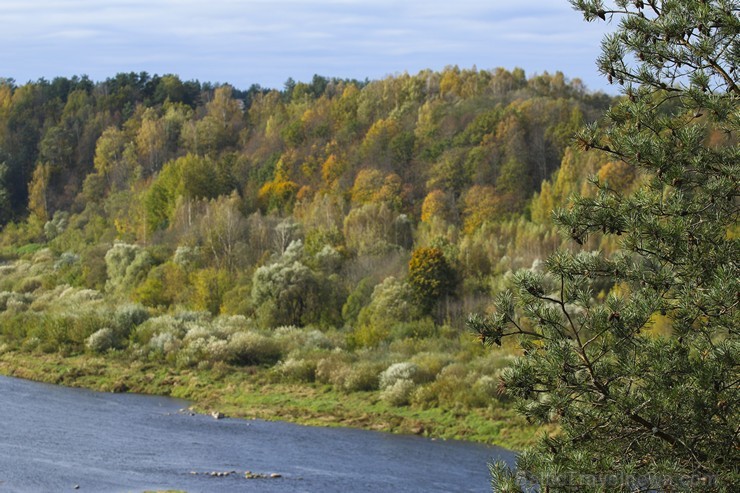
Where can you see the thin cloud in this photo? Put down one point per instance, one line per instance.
(268, 41)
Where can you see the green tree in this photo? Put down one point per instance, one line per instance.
(376, 148)
(127, 265)
(5, 210)
(367, 186)
(38, 200)
(151, 142)
(210, 286)
(23, 125)
(392, 303)
(430, 276)
(450, 172)
(219, 128)
(640, 412)
(285, 292)
(224, 231)
(188, 178)
(357, 299)
(437, 205)
(110, 160)
(369, 229)
(164, 285)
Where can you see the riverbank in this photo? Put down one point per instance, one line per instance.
(248, 392)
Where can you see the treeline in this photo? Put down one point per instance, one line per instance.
(379, 208)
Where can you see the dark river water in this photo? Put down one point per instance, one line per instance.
(55, 439)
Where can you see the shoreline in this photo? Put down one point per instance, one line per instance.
(248, 394)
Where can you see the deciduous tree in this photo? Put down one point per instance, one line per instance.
(430, 276)
(285, 292)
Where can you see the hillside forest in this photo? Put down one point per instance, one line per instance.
(333, 234)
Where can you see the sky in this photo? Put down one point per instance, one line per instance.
(245, 42)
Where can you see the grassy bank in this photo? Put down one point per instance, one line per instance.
(250, 393)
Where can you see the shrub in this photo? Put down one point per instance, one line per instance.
(408, 347)
(487, 386)
(369, 335)
(54, 332)
(156, 326)
(251, 348)
(75, 297)
(56, 225)
(291, 338)
(333, 368)
(217, 350)
(101, 340)
(165, 342)
(451, 387)
(66, 260)
(187, 257)
(430, 364)
(196, 331)
(129, 316)
(42, 256)
(201, 317)
(7, 270)
(398, 371)
(491, 363)
(362, 376)
(127, 265)
(14, 301)
(416, 329)
(425, 397)
(29, 285)
(83, 324)
(14, 327)
(399, 393)
(226, 325)
(16, 305)
(315, 339)
(238, 300)
(192, 354)
(31, 344)
(297, 370)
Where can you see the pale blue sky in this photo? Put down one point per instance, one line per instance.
(242, 42)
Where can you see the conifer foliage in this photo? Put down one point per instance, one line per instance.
(640, 409)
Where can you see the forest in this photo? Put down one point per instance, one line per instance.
(348, 252)
(333, 234)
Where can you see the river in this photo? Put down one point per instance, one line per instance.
(55, 439)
